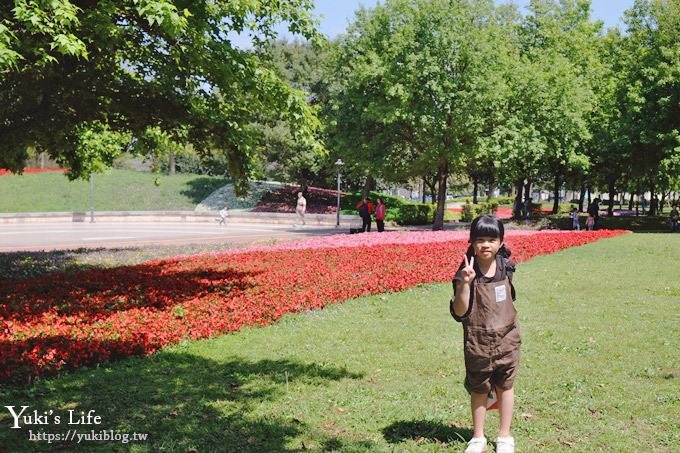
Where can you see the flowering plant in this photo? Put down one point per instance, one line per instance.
(33, 170)
(66, 320)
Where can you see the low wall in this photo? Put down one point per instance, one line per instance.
(177, 216)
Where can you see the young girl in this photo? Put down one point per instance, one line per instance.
(483, 303)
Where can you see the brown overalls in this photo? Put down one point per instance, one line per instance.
(491, 335)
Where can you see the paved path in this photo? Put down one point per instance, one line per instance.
(70, 235)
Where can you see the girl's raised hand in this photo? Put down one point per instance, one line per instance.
(468, 271)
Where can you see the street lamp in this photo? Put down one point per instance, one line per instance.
(91, 198)
(338, 163)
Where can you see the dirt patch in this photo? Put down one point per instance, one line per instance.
(319, 201)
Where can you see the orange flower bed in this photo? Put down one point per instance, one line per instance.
(32, 170)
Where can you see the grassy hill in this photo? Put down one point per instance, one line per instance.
(117, 190)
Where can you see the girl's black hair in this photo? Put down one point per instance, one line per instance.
(488, 226)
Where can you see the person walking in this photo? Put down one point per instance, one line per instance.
(300, 209)
(575, 224)
(380, 212)
(482, 301)
(365, 208)
(223, 215)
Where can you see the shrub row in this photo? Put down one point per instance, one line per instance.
(399, 211)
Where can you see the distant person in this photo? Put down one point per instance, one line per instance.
(365, 208)
(380, 211)
(575, 224)
(643, 203)
(300, 209)
(594, 214)
(590, 223)
(654, 206)
(674, 215)
(223, 215)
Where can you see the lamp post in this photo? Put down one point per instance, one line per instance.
(91, 198)
(338, 163)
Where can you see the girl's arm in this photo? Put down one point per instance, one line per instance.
(461, 301)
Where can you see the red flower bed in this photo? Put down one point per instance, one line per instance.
(30, 170)
(62, 321)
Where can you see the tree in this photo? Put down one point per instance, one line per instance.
(557, 37)
(415, 87)
(78, 72)
(650, 91)
(283, 157)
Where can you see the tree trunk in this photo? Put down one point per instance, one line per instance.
(582, 197)
(517, 206)
(475, 188)
(431, 187)
(368, 185)
(612, 193)
(556, 196)
(442, 176)
(171, 163)
(527, 189)
(630, 201)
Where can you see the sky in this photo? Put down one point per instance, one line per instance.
(337, 14)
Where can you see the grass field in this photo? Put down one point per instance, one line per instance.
(116, 190)
(599, 372)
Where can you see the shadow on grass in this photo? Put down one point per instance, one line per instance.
(20, 265)
(199, 188)
(420, 430)
(97, 292)
(26, 264)
(183, 402)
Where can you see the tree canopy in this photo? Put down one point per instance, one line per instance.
(423, 87)
(415, 89)
(81, 80)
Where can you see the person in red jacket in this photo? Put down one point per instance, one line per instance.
(365, 208)
(380, 211)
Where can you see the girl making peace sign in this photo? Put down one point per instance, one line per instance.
(483, 303)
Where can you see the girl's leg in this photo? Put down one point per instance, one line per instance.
(478, 403)
(506, 403)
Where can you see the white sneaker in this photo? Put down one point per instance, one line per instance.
(505, 445)
(476, 445)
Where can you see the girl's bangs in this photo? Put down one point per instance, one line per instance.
(487, 227)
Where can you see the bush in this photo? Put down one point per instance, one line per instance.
(415, 214)
(642, 223)
(400, 211)
(470, 211)
(503, 200)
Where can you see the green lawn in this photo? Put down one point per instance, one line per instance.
(116, 190)
(600, 371)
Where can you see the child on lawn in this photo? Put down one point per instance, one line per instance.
(483, 303)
